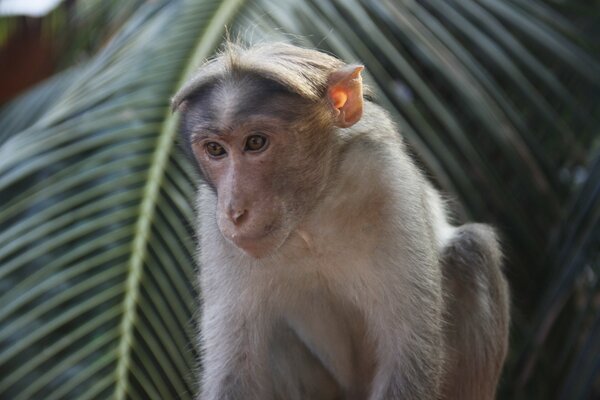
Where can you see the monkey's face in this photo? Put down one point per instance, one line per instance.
(263, 157)
(252, 209)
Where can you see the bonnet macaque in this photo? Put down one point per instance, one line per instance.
(329, 269)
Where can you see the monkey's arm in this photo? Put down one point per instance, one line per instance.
(412, 365)
(411, 353)
(476, 313)
(245, 359)
(232, 350)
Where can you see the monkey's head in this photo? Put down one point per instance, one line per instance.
(261, 125)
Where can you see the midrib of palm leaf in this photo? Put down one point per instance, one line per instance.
(212, 34)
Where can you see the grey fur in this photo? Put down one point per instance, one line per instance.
(373, 295)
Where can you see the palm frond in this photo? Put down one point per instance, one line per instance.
(572, 295)
(96, 243)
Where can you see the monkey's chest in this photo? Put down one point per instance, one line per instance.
(321, 351)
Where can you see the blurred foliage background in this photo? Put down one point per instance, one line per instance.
(499, 101)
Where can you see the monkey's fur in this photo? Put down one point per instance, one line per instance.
(328, 267)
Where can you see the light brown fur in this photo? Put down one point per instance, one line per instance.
(343, 278)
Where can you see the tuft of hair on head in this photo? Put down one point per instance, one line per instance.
(302, 71)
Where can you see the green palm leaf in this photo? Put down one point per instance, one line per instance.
(97, 283)
(96, 270)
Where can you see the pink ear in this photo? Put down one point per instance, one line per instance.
(346, 95)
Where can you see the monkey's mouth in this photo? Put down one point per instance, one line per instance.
(258, 244)
(237, 236)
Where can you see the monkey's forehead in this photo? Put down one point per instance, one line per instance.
(246, 102)
(302, 71)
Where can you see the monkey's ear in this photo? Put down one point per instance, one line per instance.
(345, 93)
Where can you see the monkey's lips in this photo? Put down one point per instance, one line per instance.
(256, 245)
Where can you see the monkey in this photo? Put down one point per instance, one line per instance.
(329, 267)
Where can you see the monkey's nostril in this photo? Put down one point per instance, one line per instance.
(237, 216)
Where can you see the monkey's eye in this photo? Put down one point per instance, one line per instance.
(214, 149)
(255, 143)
